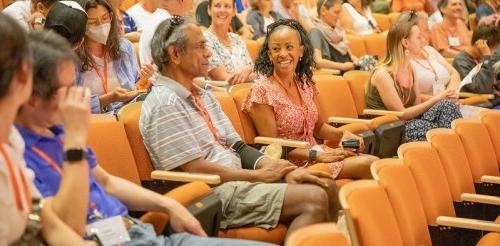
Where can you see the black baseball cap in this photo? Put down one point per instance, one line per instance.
(68, 19)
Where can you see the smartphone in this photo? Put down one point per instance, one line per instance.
(138, 91)
(351, 144)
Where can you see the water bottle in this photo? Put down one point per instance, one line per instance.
(437, 87)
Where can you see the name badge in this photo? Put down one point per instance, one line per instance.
(453, 41)
(109, 231)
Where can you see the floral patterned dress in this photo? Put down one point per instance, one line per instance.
(293, 121)
(231, 58)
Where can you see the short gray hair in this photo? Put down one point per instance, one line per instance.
(164, 37)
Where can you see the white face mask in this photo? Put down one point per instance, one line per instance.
(99, 33)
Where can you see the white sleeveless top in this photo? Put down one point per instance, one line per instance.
(360, 24)
(426, 75)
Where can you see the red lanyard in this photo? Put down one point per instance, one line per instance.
(304, 110)
(104, 76)
(53, 164)
(46, 158)
(16, 187)
(205, 115)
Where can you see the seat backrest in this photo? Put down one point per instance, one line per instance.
(383, 21)
(109, 142)
(456, 166)
(126, 4)
(472, 21)
(356, 45)
(357, 83)
(394, 16)
(376, 44)
(239, 94)
(405, 200)
(317, 235)
(130, 115)
(253, 48)
(428, 173)
(491, 119)
(229, 107)
(478, 147)
(334, 98)
(369, 211)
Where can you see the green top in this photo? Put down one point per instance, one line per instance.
(374, 101)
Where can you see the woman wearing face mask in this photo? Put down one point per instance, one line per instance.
(108, 63)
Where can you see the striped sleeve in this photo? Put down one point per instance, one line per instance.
(169, 137)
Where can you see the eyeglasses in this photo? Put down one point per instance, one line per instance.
(175, 21)
(412, 14)
(106, 18)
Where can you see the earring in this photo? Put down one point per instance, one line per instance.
(407, 52)
(300, 59)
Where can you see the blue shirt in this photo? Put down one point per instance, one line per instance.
(47, 179)
(128, 23)
(127, 72)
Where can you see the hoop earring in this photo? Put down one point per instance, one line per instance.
(407, 52)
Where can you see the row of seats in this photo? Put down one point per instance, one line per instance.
(462, 160)
(441, 192)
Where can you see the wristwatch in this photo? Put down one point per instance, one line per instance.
(313, 154)
(75, 154)
(39, 21)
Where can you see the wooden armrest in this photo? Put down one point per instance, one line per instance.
(472, 224)
(490, 179)
(343, 120)
(185, 177)
(478, 198)
(326, 71)
(382, 112)
(282, 142)
(469, 94)
(217, 83)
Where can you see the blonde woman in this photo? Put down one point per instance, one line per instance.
(392, 86)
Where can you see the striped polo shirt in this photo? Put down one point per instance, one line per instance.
(175, 133)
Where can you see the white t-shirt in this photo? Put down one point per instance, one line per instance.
(424, 73)
(360, 24)
(20, 11)
(435, 18)
(12, 221)
(92, 80)
(278, 7)
(147, 34)
(140, 15)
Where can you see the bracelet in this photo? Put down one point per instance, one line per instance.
(312, 155)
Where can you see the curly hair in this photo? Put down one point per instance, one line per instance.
(304, 69)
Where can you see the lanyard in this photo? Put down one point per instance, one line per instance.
(206, 117)
(46, 158)
(16, 187)
(104, 75)
(304, 108)
(95, 214)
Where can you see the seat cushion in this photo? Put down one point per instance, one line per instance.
(276, 235)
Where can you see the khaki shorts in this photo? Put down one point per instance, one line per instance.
(250, 204)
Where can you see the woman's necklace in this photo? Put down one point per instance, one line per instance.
(224, 40)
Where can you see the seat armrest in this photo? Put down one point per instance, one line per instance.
(469, 94)
(217, 83)
(490, 179)
(478, 198)
(282, 142)
(382, 112)
(185, 177)
(326, 71)
(344, 120)
(472, 224)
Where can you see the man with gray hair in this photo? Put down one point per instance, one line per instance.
(184, 128)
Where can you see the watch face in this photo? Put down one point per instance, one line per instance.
(75, 155)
